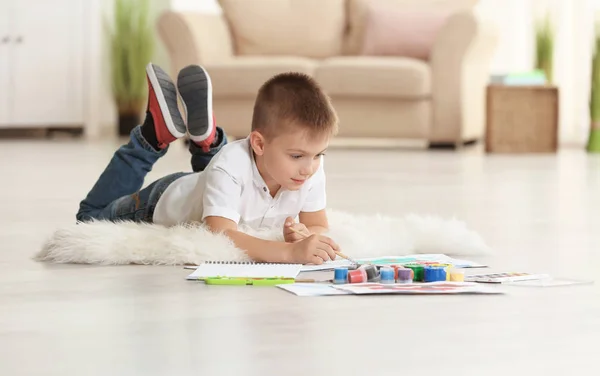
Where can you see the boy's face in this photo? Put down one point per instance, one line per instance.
(290, 158)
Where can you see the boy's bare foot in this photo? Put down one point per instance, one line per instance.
(196, 91)
(163, 123)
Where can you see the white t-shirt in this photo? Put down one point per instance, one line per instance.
(231, 187)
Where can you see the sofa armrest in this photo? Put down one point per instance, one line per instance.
(460, 67)
(195, 38)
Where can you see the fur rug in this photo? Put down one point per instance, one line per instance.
(107, 243)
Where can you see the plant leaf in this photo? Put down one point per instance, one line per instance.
(131, 39)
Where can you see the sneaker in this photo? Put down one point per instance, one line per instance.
(162, 105)
(195, 90)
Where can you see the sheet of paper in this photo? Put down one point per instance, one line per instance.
(246, 271)
(422, 258)
(397, 260)
(419, 288)
(505, 277)
(329, 265)
(312, 289)
(550, 282)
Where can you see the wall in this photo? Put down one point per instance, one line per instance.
(208, 6)
(513, 22)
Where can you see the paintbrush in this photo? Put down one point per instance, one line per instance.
(336, 252)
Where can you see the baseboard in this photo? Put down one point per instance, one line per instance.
(379, 143)
(40, 132)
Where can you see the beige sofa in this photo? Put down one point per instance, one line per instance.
(439, 99)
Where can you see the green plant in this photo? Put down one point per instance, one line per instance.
(131, 48)
(594, 137)
(544, 47)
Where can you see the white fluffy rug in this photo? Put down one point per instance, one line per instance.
(358, 236)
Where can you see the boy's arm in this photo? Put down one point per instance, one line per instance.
(313, 214)
(259, 250)
(315, 222)
(315, 250)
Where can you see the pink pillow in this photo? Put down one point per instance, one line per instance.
(395, 32)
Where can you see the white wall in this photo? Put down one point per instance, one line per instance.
(513, 19)
(208, 6)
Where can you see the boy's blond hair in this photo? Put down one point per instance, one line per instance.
(293, 99)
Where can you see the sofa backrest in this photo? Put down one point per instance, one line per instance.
(310, 28)
(357, 12)
(317, 28)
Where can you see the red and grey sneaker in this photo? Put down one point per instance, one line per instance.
(195, 89)
(162, 105)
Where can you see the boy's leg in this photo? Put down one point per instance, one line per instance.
(125, 173)
(201, 158)
(206, 138)
(139, 206)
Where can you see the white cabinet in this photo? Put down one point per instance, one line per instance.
(41, 63)
(4, 67)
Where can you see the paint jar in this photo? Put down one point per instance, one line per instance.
(372, 273)
(405, 275)
(434, 274)
(417, 270)
(396, 267)
(340, 276)
(357, 276)
(386, 274)
(456, 275)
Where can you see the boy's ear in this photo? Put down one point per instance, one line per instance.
(257, 141)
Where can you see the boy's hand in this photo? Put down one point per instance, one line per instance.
(292, 237)
(316, 249)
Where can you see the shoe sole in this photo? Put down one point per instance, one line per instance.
(195, 89)
(166, 95)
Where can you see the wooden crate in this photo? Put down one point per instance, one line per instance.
(522, 119)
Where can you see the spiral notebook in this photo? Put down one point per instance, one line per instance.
(226, 269)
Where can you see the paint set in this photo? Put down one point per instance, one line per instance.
(391, 274)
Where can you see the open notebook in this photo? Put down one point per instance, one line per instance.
(213, 269)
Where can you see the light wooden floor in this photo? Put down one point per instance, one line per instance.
(539, 213)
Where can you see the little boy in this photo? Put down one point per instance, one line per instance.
(263, 181)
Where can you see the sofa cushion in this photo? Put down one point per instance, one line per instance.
(243, 76)
(399, 32)
(357, 11)
(309, 28)
(375, 77)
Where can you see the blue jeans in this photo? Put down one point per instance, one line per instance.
(116, 196)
